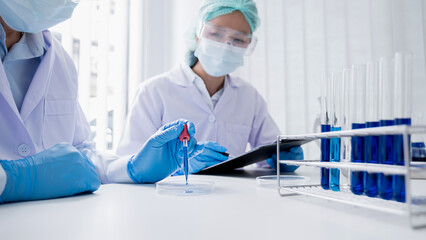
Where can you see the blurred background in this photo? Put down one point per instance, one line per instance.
(117, 44)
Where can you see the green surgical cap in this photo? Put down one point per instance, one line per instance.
(214, 8)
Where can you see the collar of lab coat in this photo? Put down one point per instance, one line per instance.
(184, 76)
(38, 85)
(5, 90)
(31, 45)
(187, 76)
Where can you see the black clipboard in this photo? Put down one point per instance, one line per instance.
(253, 156)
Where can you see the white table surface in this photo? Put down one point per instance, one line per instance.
(238, 209)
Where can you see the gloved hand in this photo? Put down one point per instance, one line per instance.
(295, 153)
(204, 155)
(162, 153)
(59, 171)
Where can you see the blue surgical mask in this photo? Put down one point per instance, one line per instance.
(219, 59)
(35, 15)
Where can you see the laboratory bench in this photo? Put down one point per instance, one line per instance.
(237, 209)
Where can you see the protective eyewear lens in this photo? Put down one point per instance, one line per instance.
(228, 36)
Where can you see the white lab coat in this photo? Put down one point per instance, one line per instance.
(50, 114)
(239, 117)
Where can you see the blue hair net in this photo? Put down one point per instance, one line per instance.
(215, 8)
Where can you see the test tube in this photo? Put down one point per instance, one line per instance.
(345, 143)
(325, 127)
(358, 78)
(336, 125)
(386, 142)
(371, 144)
(402, 97)
(418, 148)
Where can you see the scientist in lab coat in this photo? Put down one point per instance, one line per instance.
(44, 147)
(225, 108)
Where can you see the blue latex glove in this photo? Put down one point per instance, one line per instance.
(162, 153)
(295, 153)
(59, 171)
(205, 155)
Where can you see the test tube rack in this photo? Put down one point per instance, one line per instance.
(414, 207)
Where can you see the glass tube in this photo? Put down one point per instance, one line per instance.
(325, 127)
(386, 142)
(336, 125)
(403, 88)
(371, 144)
(418, 149)
(358, 78)
(402, 97)
(345, 143)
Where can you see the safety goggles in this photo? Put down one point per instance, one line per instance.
(228, 36)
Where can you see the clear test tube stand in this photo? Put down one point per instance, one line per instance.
(414, 207)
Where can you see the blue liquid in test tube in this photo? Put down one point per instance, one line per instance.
(371, 150)
(357, 177)
(325, 157)
(336, 125)
(335, 157)
(386, 142)
(402, 98)
(325, 127)
(371, 143)
(358, 87)
(386, 156)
